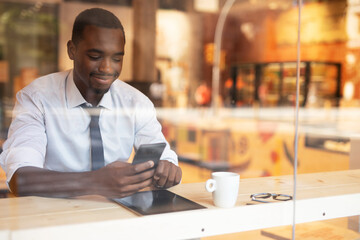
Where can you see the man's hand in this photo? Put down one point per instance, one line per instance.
(167, 174)
(120, 179)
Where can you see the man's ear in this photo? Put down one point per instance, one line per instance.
(71, 49)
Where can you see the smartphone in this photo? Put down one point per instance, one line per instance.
(148, 152)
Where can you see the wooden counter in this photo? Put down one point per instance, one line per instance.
(320, 196)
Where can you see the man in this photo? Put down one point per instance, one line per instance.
(47, 152)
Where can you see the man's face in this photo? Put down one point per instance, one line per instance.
(98, 59)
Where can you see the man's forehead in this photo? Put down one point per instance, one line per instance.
(89, 29)
(100, 35)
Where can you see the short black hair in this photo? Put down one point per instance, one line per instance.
(94, 16)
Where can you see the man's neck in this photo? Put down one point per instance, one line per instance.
(89, 95)
(93, 98)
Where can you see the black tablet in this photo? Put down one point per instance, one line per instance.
(156, 202)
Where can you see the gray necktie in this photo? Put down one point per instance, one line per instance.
(97, 150)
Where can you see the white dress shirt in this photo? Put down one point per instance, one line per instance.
(51, 130)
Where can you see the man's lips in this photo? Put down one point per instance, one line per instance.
(103, 77)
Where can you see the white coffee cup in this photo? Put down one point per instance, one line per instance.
(224, 187)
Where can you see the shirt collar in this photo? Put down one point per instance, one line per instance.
(75, 99)
(106, 100)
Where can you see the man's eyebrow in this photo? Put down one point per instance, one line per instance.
(94, 50)
(120, 53)
(99, 51)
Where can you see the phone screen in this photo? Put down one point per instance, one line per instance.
(148, 152)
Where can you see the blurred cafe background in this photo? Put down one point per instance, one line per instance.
(243, 122)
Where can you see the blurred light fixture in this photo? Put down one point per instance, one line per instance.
(248, 30)
(206, 5)
(350, 59)
(273, 5)
(348, 91)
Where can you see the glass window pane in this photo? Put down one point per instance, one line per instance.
(327, 138)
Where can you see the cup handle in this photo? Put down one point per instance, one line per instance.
(210, 185)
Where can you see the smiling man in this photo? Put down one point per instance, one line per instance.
(48, 150)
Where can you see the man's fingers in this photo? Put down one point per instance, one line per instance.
(171, 178)
(178, 176)
(167, 175)
(159, 170)
(161, 173)
(140, 177)
(133, 188)
(122, 179)
(141, 167)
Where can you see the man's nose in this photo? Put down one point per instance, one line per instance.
(105, 66)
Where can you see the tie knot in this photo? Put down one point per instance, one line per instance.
(92, 111)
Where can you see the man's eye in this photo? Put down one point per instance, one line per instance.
(94, 57)
(117, 59)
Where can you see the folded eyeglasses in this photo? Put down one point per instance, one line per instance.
(259, 197)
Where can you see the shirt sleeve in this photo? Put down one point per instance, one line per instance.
(148, 130)
(26, 142)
